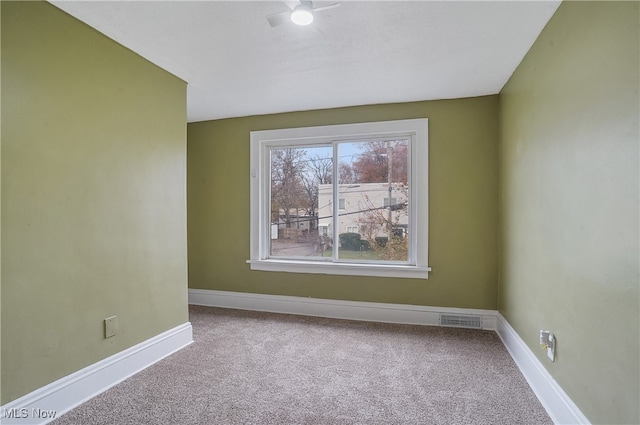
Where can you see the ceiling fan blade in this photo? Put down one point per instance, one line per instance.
(292, 4)
(279, 18)
(329, 6)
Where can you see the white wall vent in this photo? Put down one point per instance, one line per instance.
(461, 321)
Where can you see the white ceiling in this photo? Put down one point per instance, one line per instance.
(363, 52)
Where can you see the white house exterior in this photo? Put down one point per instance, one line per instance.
(362, 208)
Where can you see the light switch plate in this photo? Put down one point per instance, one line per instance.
(110, 326)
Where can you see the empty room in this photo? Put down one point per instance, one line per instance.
(327, 212)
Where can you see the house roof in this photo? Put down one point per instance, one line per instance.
(363, 52)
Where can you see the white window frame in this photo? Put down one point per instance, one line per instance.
(262, 141)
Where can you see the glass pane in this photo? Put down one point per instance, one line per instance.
(300, 202)
(374, 191)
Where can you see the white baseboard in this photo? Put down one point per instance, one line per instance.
(557, 403)
(66, 393)
(337, 309)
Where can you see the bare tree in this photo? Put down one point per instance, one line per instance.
(319, 170)
(346, 173)
(372, 165)
(287, 189)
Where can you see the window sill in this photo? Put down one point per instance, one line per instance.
(376, 270)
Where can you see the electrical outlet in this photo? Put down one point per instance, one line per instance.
(548, 342)
(110, 326)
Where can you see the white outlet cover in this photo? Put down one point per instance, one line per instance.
(110, 326)
(551, 348)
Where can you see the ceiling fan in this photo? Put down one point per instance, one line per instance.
(301, 13)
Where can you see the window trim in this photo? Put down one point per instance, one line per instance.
(260, 143)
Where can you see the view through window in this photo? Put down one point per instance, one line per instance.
(362, 176)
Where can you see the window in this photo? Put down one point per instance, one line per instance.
(345, 199)
(386, 202)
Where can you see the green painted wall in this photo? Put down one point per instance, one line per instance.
(569, 186)
(463, 143)
(93, 197)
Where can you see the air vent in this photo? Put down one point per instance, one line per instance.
(461, 321)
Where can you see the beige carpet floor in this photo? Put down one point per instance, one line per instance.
(263, 368)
